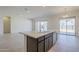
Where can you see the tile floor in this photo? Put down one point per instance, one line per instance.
(66, 43)
(16, 43)
(11, 43)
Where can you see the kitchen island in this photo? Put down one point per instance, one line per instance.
(39, 41)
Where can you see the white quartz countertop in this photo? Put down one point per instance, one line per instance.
(36, 34)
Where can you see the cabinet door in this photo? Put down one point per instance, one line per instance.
(41, 46)
(50, 42)
(54, 38)
(46, 45)
(31, 44)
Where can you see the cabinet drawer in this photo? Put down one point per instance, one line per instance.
(49, 35)
(41, 39)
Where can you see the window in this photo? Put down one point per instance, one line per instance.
(41, 26)
(67, 25)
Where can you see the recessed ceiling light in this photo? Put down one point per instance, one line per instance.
(27, 10)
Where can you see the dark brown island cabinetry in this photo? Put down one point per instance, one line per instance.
(41, 44)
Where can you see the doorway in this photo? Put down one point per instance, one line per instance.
(6, 24)
(67, 26)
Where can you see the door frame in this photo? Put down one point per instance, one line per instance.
(6, 18)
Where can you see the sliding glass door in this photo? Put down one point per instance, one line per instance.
(71, 26)
(63, 26)
(67, 26)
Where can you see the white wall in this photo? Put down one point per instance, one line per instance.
(19, 23)
(1, 26)
(53, 23)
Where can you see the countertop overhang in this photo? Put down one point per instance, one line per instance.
(36, 34)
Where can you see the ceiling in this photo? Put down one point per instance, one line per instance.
(38, 11)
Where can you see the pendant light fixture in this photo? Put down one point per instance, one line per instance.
(65, 15)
